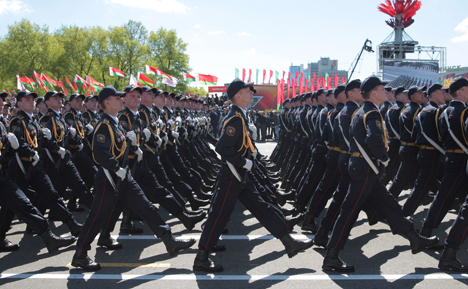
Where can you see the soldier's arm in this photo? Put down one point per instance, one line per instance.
(374, 136)
(233, 130)
(101, 149)
(24, 150)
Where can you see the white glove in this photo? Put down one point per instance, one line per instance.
(158, 140)
(147, 134)
(62, 152)
(139, 153)
(175, 135)
(132, 137)
(385, 163)
(253, 128)
(164, 139)
(72, 132)
(121, 173)
(13, 140)
(90, 128)
(254, 154)
(35, 157)
(248, 164)
(47, 134)
(80, 147)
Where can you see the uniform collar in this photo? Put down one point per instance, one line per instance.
(243, 111)
(115, 119)
(456, 100)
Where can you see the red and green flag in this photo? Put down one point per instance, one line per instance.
(145, 80)
(69, 83)
(115, 72)
(38, 80)
(24, 82)
(60, 84)
(206, 79)
(93, 83)
(47, 81)
(189, 78)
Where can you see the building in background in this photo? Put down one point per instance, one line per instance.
(321, 68)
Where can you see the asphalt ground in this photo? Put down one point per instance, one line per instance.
(253, 259)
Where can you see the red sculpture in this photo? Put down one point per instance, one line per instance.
(402, 12)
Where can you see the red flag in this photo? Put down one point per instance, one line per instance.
(336, 80)
(271, 75)
(283, 74)
(289, 75)
(324, 83)
(297, 74)
(243, 74)
(68, 82)
(294, 87)
(300, 85)
(289, 85)
(264, 72)
(314, 75)
(250, 74)
(342, 80)
(305, 85)
(328, 82)
(318, 83)
(278, 94)
(312, 85)
(38, 80)
(60, 83)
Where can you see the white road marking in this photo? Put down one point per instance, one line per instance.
(197, 237)
(212, 277)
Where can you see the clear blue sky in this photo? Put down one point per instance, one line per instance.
(224, 35)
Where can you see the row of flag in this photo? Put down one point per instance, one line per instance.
(322, 82)
(45, 82)
(141, 79)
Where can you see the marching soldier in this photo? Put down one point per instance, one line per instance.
(114, 185)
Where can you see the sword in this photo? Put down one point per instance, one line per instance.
(234, 171)
(20, 163)
(111, 181)
(366, 157)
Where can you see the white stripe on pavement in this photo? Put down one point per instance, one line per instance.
(197, 237)
(212, 277)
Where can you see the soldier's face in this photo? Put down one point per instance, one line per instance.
(92, 104)
(160, 100)
(77, 103)
(114, 104)
(380, 95)
(27, 104)
(418, 97)
(54, 102)
(133, 100)
(391, 96)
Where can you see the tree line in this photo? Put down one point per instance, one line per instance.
(71, 50)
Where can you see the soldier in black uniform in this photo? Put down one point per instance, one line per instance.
(114, 185)
(368, 148)
(390, 94)
(409, 167)
(15, 202)
(392, 122)
(427, 136)
(237, 151)
(26, 168)
(58, 162)
(452, 130)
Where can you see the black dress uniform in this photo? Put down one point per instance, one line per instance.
(63, 171)
(454, 179)
(235, 147)
(409, 167)
(29, 136)
(109, 149)
(426, 133)
(367, 130)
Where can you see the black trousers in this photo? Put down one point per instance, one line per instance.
(107, 207)
(459, 231)
(427, 179)
(312, 178)
(365, 187)
(46, 195)
(335, 206)
(67, 176)
(327, 185)
(394, 163)
(224, 199)
(15, 202)
(453, 181)
(408, 170)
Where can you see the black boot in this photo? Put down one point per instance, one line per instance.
(419, 243)
(333, 263)
(197, 203)
(293, 221)
(203, 263)
(127, 226)
(173, 246)
(7, 246)
(54, 242)
(192, 212)
(73, 206)
(293, 246)
(427, 232)
(309, 224)
(449, 261)
(282, 198)
(201, 195)
(82, 260)
(74, 227)
(190, 221)
(321, 238)
(287, 212)
(105, 240)
(373, 218)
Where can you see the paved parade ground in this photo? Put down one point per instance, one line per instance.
(253, 259)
